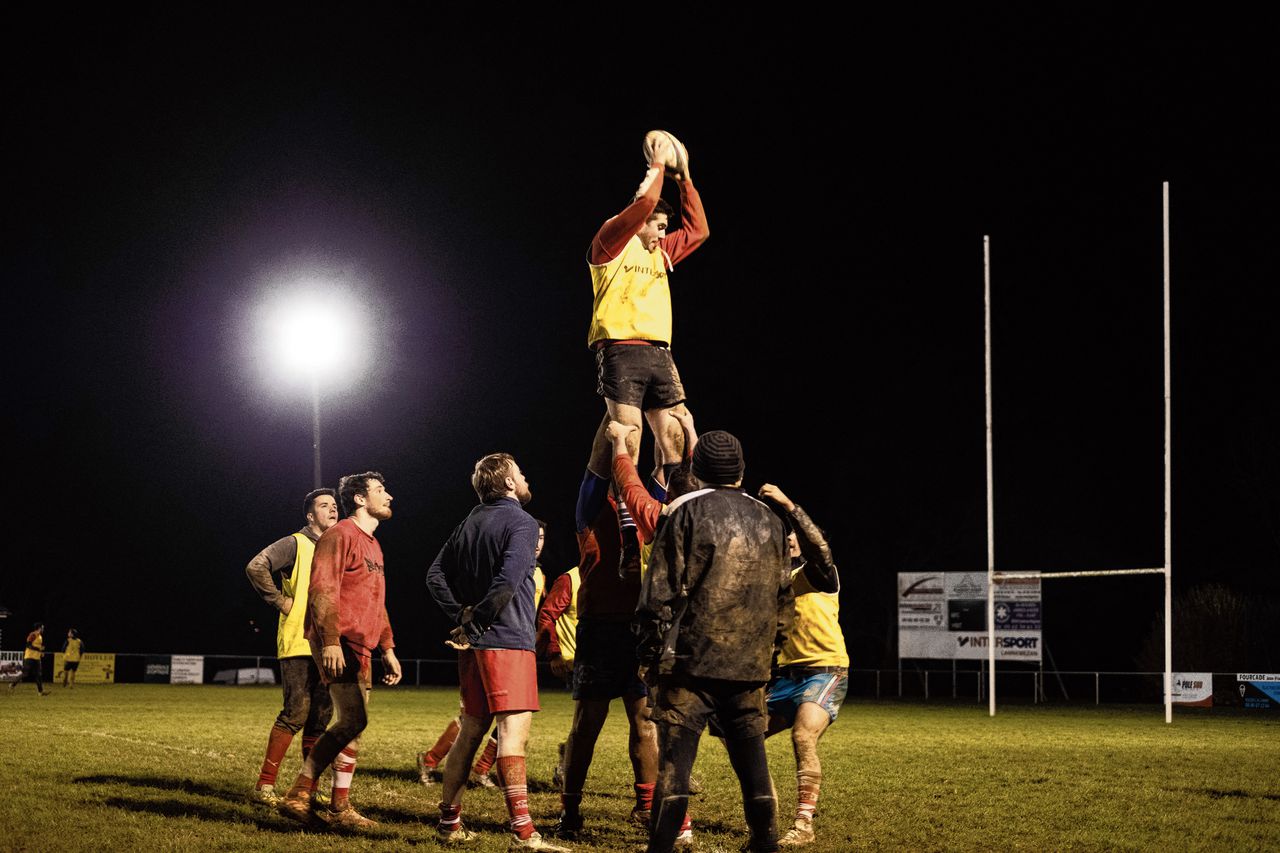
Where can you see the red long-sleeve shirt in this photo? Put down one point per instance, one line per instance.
(644, 508)
(602, 594)
(348, 593)
(556, 603)
(613, 235)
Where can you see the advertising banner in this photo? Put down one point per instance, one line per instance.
(10, 666)
(95, 668)
(157, 671)
(943, 615)
(1193, 688)
(1259, 690)
(245, 675)
(186, 669)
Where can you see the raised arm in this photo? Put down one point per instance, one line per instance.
(693, 230)
(819, 568)
(275, 558)
(643, 506)
(613, 235)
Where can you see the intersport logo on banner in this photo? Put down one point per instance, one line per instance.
(980, 642)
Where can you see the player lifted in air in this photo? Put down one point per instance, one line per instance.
(630, 259)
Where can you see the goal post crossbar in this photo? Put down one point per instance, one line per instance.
(1095, 573)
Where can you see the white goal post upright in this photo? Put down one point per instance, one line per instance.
(1168, 484)
(994, 577)
(991, 509)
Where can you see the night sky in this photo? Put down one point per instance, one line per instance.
(165, 175)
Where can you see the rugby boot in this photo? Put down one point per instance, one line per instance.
(536, 842)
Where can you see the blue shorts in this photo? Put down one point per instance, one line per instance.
(605, 664)
(796, 685)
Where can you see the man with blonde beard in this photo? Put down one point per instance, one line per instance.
(483, 580)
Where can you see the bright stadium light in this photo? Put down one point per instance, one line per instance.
(309, 330)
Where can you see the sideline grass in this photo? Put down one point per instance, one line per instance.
(159, 767)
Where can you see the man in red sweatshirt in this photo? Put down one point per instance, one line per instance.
(346, 621)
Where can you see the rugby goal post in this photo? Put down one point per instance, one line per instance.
(994, 577)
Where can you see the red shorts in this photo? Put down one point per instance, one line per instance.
(496, 681)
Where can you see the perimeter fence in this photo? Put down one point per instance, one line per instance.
(911, 682)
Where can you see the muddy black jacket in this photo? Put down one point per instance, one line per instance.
(716, 599)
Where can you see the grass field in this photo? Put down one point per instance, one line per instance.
(167, 767)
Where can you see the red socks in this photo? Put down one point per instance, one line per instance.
(644, 796)
(515, 788)
(437, 753)
(486, 759)
(277, 745)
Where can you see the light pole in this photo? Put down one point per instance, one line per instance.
(310, 328)
(315, 428)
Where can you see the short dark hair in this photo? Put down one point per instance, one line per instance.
(308, 503)
(356, 484)
(664, 208)
(490, 476)
(37, 626)
(542, 525)
(681, 481)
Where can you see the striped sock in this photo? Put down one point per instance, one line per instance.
(277, 745)
(515, 789)
(450, 817)
(808, 784)
(625, 521)
(344, 767)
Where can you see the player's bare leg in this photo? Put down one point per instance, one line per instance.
(513, 736)
(643, 747)
(471, 730)
(811, 721)
(588, 718)
(629, 415)
(668, 435)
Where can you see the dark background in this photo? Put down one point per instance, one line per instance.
(164, 172)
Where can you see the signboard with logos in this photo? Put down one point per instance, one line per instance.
(943, 615)
(1193, 688)
(186, 669)
(1259, 690)
(95, 668)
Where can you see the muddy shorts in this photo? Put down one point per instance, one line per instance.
(736, 707)
(638, 374)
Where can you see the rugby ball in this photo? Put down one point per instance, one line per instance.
(677, 159)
